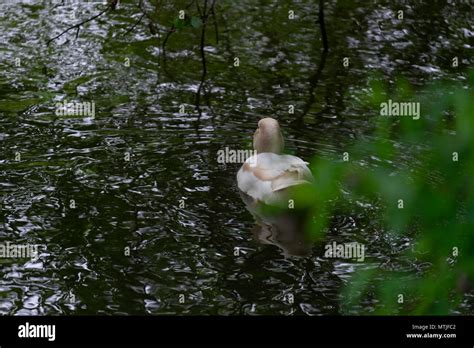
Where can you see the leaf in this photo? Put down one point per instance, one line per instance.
(46, 95)
(196, 22)
(179, 23)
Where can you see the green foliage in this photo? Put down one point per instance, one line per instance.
(428, 164)
(193, 22)
(196, 22)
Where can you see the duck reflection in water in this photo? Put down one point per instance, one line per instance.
(266, 180)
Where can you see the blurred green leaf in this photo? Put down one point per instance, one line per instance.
(196, 22)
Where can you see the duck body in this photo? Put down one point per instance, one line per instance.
(266, 176)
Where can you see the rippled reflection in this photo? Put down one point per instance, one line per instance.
(129, 245)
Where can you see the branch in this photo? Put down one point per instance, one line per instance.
(111, 5)
(135, 25)
(313, 82)
(202, 51)
(213, 13)
(171, 31)
(322, 25)
(144, 14)
(144, 11)
(168, 34)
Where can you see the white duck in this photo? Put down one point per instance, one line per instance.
(264, 177)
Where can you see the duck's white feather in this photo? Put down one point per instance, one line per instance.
(265, 175)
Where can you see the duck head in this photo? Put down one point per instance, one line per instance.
(268, 137)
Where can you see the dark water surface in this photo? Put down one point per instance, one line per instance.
(82, 268)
